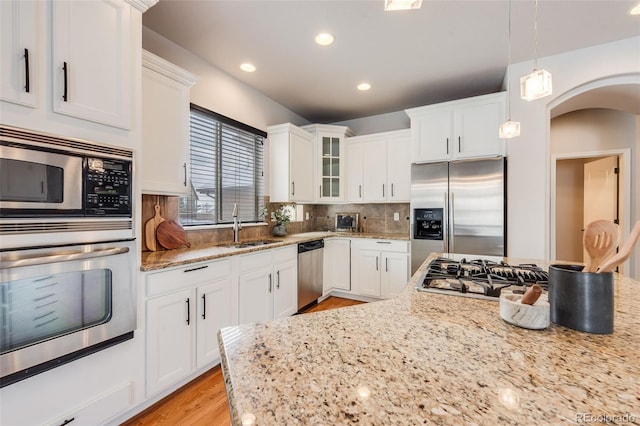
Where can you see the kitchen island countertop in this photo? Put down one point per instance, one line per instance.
(425, 358)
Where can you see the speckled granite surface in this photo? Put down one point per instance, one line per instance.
(425, 358)
(202, 252)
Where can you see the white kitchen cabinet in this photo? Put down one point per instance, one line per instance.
(380, 268)
(466, 128)
(93, 61)
(336, 267)
(268, 285)
(329, 167)
(20, 52)
(378, 167)
(186, 308)
(165, 126)
(291, 162)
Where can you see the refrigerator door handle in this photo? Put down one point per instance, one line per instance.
(452, 227)
(445, 219)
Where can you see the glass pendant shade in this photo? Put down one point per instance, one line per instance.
(535, 85)
(509, 129)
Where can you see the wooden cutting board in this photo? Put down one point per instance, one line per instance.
(171, 235)
(150, 229)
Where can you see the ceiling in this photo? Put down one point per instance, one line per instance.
(449, 49)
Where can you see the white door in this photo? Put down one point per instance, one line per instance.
(432, 139)
(171, 337)
(395, 273)
(600, 191)
(19, 52)
(399, 168)
(476, 134)
(354, 172)
(214, 313)
(255, 296)
(285, 296)
(368, 273)
(375, 170)
(301, 168)
(94, 40)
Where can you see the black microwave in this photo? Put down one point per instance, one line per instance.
(48, 176)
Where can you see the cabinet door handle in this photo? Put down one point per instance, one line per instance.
(391, 190)
(204, 306)
(196, 269)
(383, 242)
(447, 146)
(377, 269)
(293, 188)
(188, 311)
(278, 279)
(383, 190)
(67, 421)
(360, 191)
(459, 144)
(320, 193)
(270, 279)
(386, 264)
(184, 167)
(65, 93)
(26, 70)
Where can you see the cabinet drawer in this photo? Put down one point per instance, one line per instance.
(285, 254)
(166, 281)
(383, 245)
(252, 261)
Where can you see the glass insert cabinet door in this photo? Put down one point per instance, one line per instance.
(330, 187)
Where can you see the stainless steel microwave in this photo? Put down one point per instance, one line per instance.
(48, 176)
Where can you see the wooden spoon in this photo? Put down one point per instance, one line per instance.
(610, 264)
(600, 239)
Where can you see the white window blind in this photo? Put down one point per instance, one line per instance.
(226, 167)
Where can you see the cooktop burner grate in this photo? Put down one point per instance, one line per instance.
(481, 277)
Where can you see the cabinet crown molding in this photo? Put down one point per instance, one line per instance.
(414, 112)
(166, 68)
(142, 5)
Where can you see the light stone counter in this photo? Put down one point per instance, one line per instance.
(154, 260)
(425, 358)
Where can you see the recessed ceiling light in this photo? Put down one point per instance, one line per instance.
(402, 4)
(324, 39)
(635, 10)
(364, 87)
(247, 67)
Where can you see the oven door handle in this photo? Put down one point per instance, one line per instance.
(62, 257)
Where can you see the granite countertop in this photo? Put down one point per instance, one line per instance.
(155, 260)
(425, 358)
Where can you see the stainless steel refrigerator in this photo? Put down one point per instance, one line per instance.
(458, 207)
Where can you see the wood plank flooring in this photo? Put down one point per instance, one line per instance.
(203, 401)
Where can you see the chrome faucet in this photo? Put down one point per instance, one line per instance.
(237, 224)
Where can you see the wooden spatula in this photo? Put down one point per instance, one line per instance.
(600, 239)
(610, 264)
(150, 229)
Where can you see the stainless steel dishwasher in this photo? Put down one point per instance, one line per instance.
(310, 257)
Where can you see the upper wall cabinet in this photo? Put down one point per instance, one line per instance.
(77, 59)
(165, 126)
(466, 128)
(379, 167)
(290, 164)
(330, 166)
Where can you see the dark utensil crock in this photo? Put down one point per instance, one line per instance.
(581, 300)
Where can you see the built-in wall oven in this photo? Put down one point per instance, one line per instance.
(67, 251)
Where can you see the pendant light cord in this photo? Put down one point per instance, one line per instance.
(509, 67)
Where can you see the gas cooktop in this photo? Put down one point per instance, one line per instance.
(481, 278)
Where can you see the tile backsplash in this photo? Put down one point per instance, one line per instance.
(377, 218)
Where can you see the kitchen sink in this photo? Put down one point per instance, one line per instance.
(254, 243)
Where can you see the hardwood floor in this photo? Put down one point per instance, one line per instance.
(203, 401)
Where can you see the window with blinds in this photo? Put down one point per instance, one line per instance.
(226, 167)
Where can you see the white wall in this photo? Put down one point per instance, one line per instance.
(218, 91)
(529, 154)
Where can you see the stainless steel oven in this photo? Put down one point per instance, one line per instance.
(70, 189)
(61, 303)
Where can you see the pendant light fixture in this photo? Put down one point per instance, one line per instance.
(509, 129)
(537, 84)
